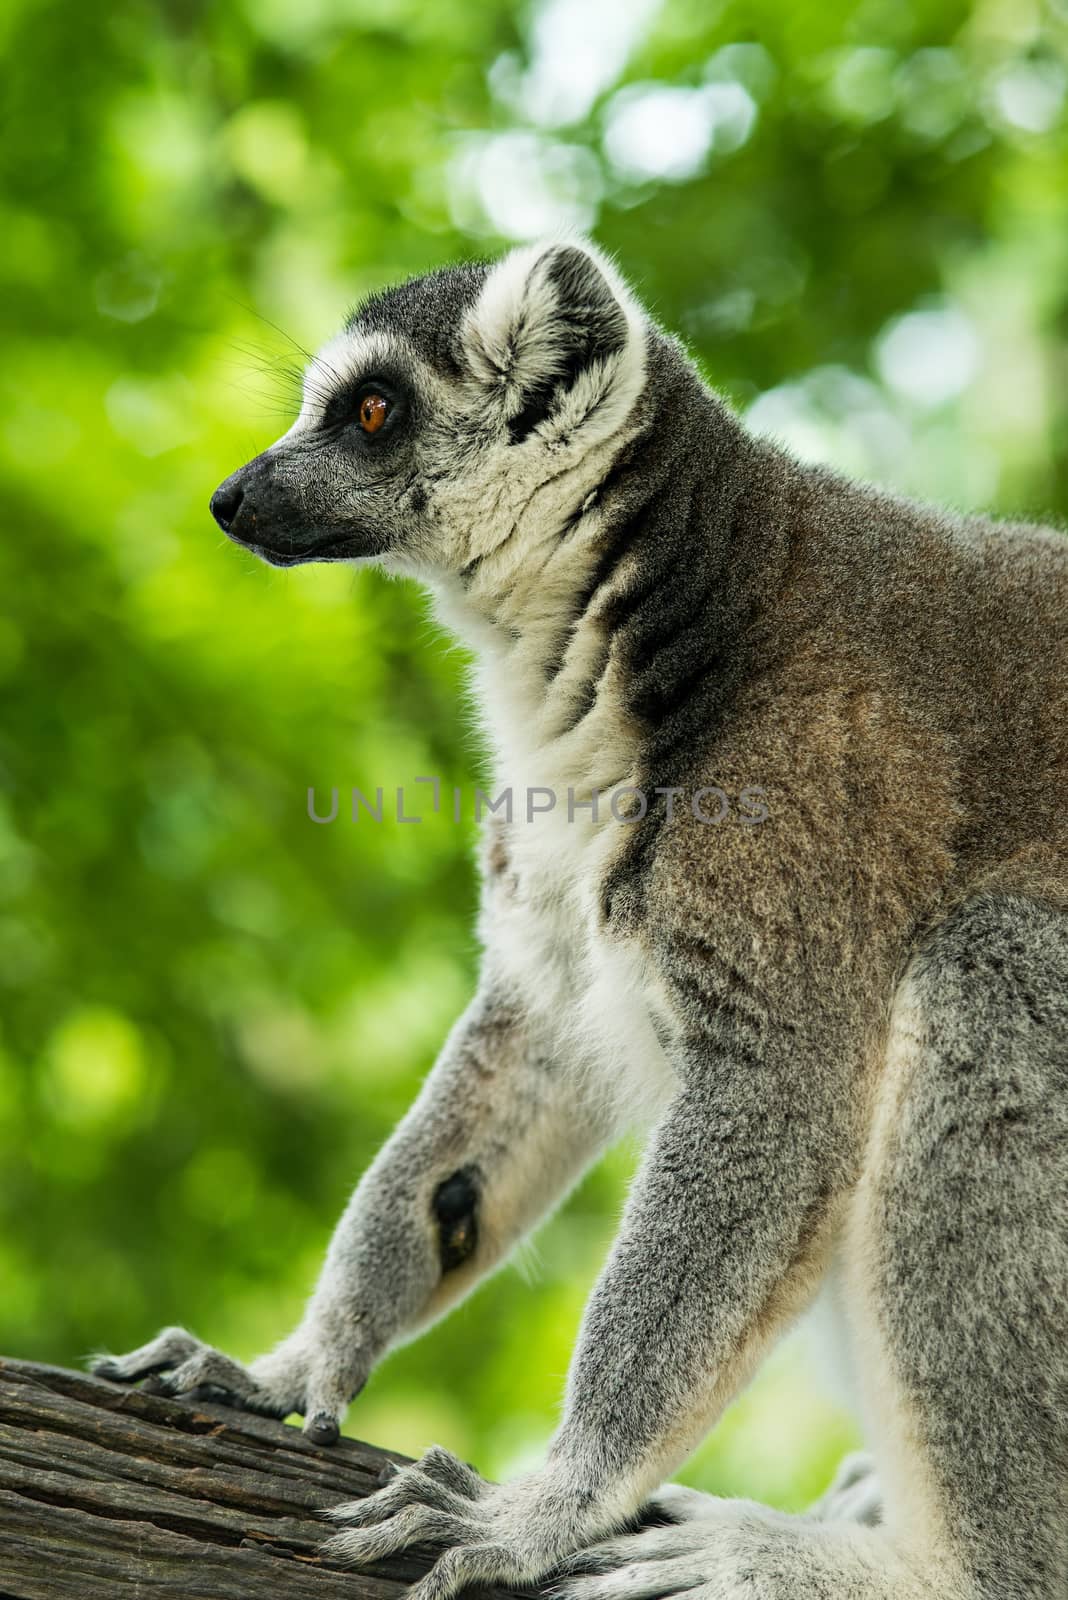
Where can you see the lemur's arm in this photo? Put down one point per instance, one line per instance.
(497, 1134)
(721, 1241)
(726, 1230)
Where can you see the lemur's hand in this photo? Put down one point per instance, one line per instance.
(512, 1534)
(308, 1373)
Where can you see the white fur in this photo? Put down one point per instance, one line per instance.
(597, 998)
(343, 359)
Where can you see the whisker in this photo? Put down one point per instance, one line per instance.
(288, 337)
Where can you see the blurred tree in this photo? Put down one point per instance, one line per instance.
(212, 1009)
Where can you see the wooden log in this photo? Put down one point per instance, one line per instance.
(107, 1493)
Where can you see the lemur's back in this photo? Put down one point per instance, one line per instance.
(893, 675)
(965, 622)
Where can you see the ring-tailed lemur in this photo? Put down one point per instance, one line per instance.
(847, 1028)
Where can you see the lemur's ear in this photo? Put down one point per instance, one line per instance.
(552, 320)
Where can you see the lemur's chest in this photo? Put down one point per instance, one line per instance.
(599, 996)
(598, 999)
(558, 773)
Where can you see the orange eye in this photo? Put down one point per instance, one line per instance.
(374, 408)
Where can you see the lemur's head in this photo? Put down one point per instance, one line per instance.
(445, 410)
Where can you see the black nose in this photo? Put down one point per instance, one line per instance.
(226, 502)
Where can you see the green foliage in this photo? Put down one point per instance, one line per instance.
(212, 1009)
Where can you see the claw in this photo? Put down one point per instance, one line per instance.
(322, 1429)
(176, 1363)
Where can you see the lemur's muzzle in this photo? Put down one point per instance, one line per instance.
(255, 510)
(247, 509)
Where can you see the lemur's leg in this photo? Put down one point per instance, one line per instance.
(958, 1273)
(724, 1236)
(960, 1249)
(497, 1134)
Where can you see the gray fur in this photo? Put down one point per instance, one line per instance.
(846, 1028)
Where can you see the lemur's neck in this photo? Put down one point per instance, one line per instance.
(625, 595)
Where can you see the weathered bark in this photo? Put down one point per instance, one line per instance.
(110, 1494)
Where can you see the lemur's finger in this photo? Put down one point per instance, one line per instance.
(413, 1525)
(465, 1567)
(861, 1502)
(207, 1366)
(639, 1580)
(445, 1468)
(168, 1349)
(327, 1398)
(673, 1502)
(611, 1555)
(859, 1464)
(407, 1487)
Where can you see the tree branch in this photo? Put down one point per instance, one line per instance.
(107, 1493)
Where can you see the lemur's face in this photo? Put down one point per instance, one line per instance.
(446, 410)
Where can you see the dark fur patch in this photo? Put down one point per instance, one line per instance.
(592, 325)
(427, 311)
(455, 1209)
